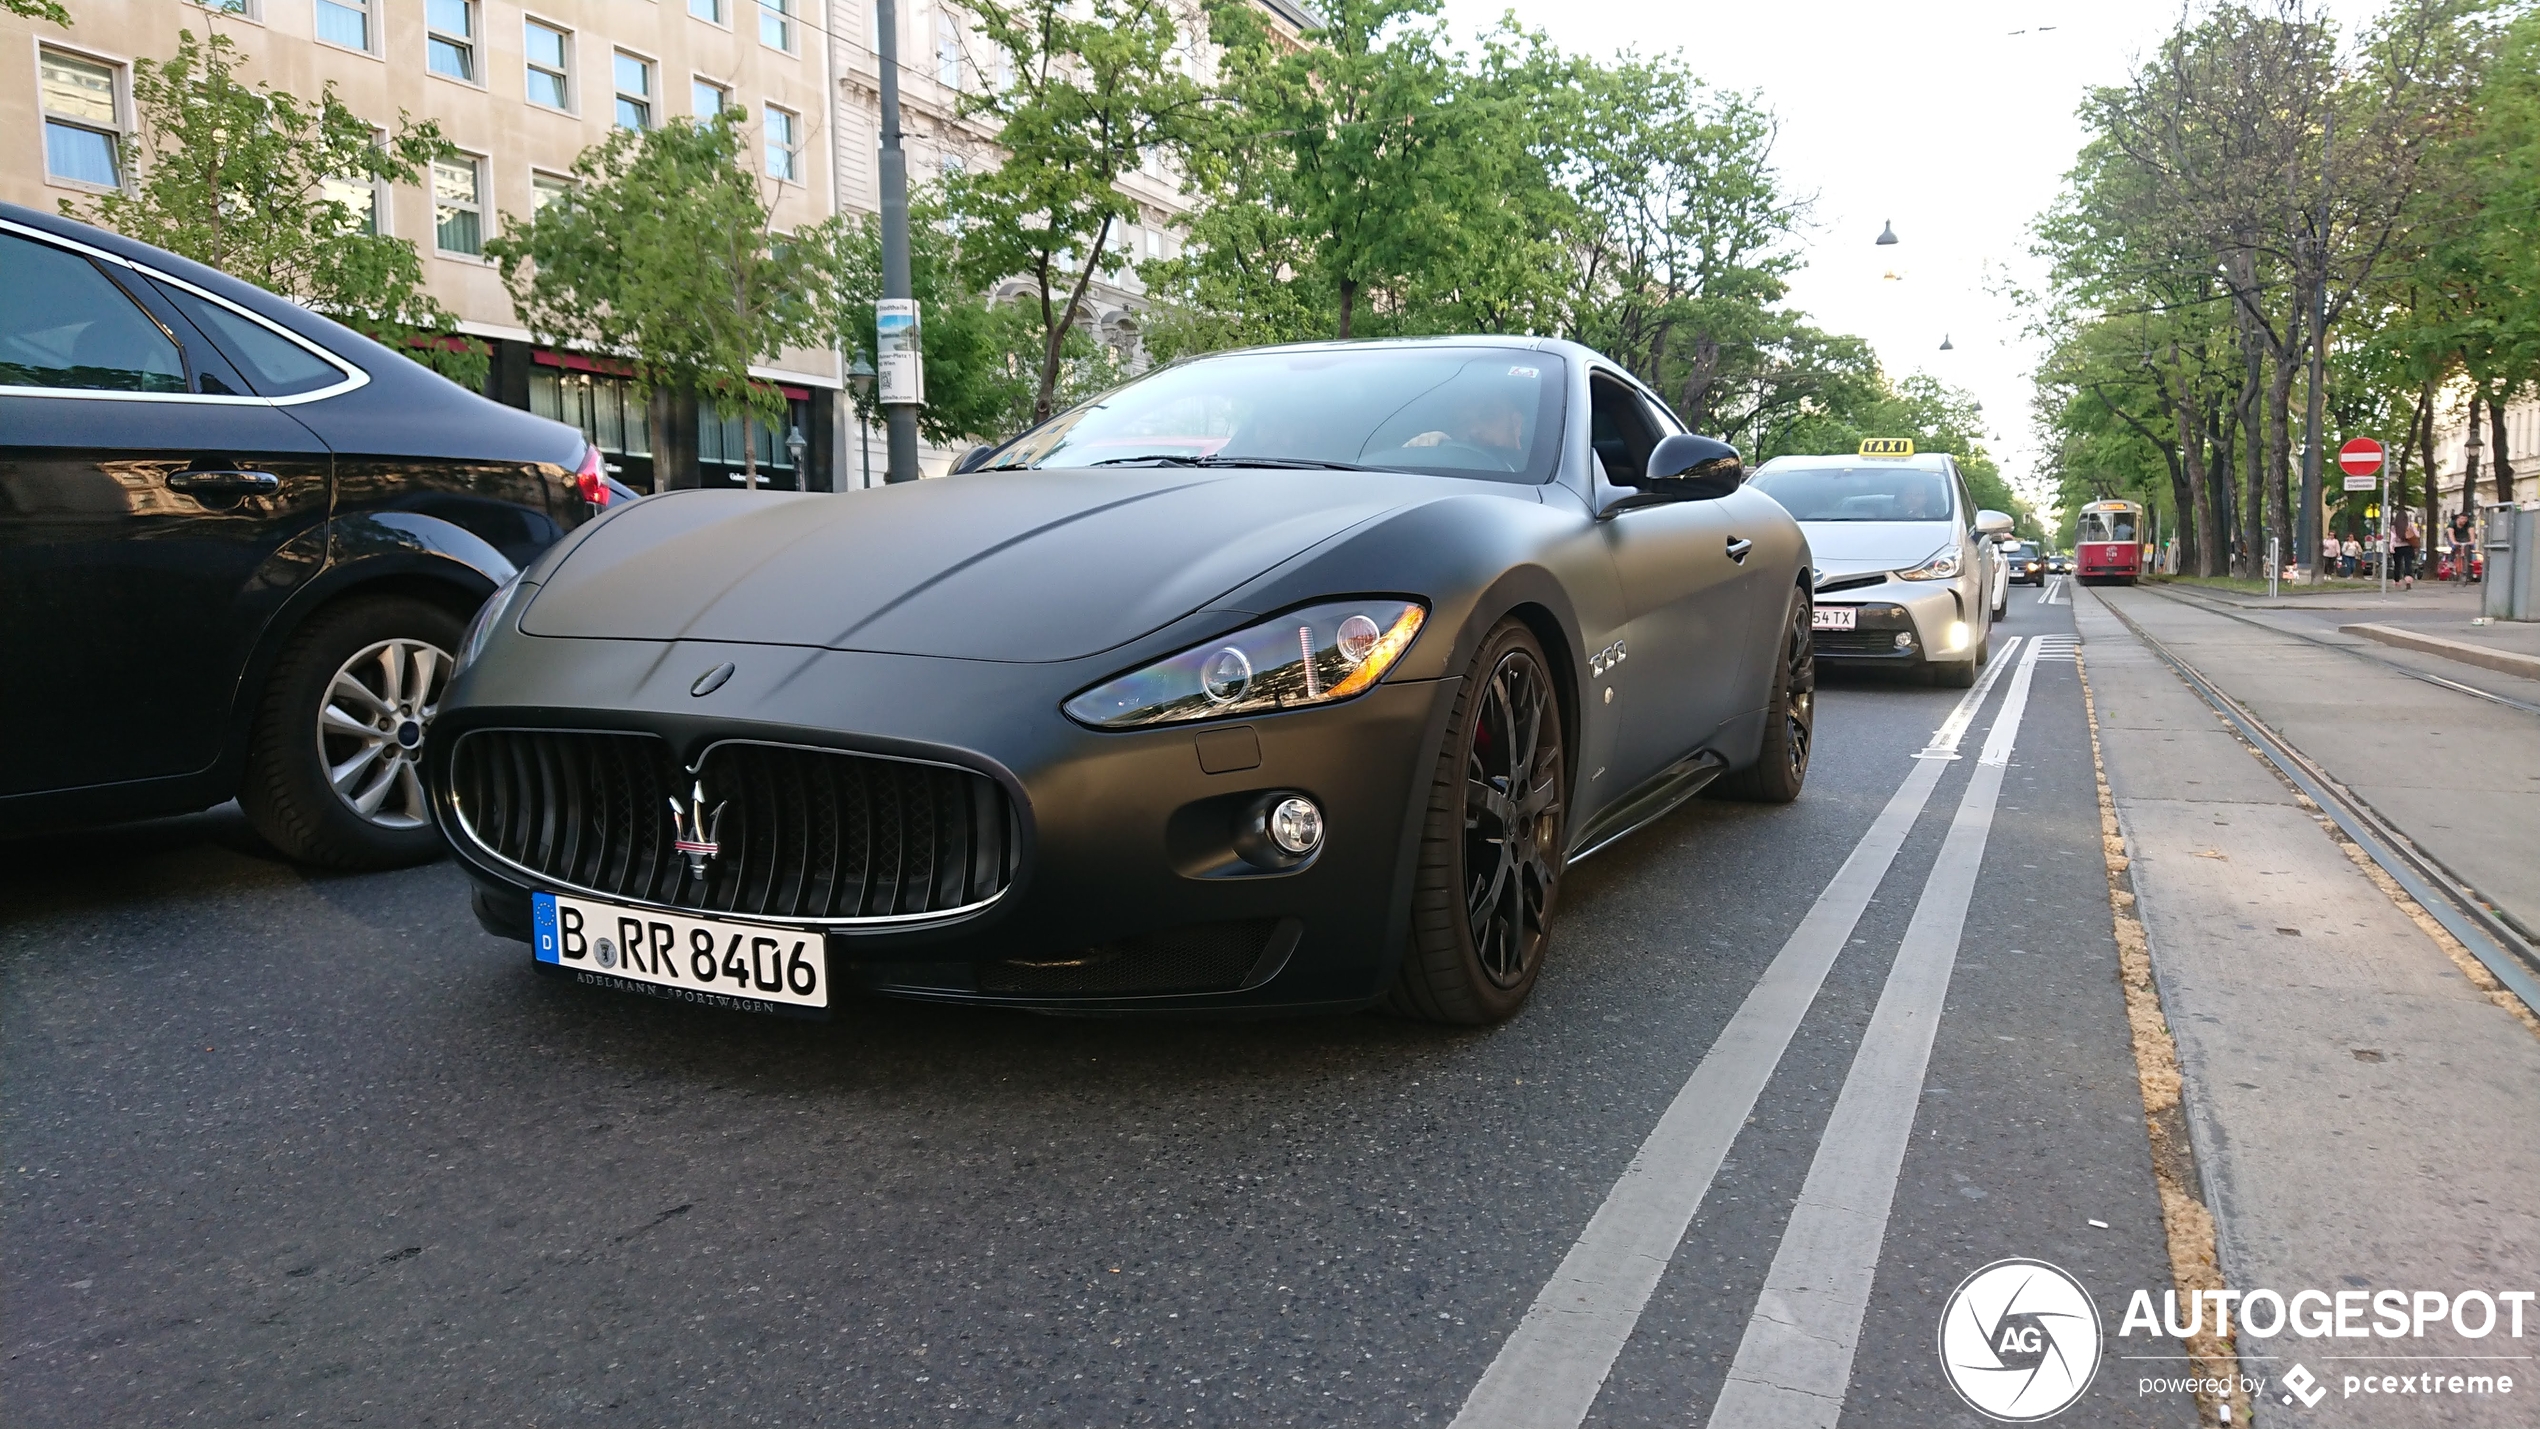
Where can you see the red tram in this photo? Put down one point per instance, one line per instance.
(2109, 546)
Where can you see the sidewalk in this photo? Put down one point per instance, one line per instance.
(2434, 608)
(2458, 775)
(2364, 1117)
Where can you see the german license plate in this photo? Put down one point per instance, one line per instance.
(714, 961)
(1832, 617)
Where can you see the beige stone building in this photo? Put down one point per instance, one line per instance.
(521, 89)
(2451, 452)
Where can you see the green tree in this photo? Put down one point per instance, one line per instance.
(664, 252)
(46, 10)
(254, 181)
(1095, 92)
(983, 359)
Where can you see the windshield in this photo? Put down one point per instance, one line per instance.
(1884, 492)
(2020, 551)
(1453, 411)
(2100, 527)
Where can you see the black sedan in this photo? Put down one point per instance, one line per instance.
(238, 544)
(1282, 679)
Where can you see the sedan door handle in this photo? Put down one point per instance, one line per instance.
(225, 483)
(1738, 547)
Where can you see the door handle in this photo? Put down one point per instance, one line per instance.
(1738, 547)
(225, 483)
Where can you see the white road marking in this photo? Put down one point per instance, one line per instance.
(1548, 1374)
(2047, 592)
(2056, 647)
(1796, 1357)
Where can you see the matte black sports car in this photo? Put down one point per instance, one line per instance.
(1280, 679)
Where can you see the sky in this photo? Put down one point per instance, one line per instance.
(1955, 122)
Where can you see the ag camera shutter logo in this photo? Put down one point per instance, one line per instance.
(2019, 1340)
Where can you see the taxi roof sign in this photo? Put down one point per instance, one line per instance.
(1888, 446)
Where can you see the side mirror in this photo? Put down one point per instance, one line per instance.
(1691, 468)
(1992, 523)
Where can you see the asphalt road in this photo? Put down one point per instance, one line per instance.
(289, 1147)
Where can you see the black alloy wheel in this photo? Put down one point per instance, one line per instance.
(1780, 769)
(1491, 854)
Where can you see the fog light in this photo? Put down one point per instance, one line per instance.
(1957, 635)
(1296, 826)
(1904, 639)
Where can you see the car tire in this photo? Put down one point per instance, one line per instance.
(1478, 935)
(1790, 720)
(341, 725)
(1956, 674)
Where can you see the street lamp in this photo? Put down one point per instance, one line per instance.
(860, 377)
(1946, 345)
(1887, 233)
(794, 445)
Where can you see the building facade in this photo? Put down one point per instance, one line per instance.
(521, 90)
(2451, 453)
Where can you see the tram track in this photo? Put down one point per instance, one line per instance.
(2492, 936)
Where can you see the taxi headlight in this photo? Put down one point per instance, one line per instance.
(1318, 655)
(1939, 568)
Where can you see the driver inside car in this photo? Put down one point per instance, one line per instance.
(1477, 420)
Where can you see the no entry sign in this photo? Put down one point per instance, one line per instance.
(2359, 457)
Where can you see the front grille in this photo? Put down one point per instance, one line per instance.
(813, 834)
(1873, 633)
(1197, 957)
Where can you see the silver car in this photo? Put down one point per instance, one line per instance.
(1906, 567)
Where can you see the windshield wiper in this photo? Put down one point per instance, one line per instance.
(1183, 459)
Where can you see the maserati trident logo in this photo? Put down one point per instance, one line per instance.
(696, 831)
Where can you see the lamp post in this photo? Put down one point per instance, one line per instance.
(902, 383)
(860, 377)
(794, 445)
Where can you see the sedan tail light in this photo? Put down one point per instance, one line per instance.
(588, 480)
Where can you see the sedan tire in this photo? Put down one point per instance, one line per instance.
(334, 772)
(1492, 842)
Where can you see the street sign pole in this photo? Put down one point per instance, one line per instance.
(899, 377)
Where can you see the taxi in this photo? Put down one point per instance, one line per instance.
(1906, 567)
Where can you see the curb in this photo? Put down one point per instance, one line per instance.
(2511, 663)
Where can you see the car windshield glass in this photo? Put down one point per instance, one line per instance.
(1883, 492)
(1493, 413)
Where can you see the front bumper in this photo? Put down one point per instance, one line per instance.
(1127, 842)
(1896, 623)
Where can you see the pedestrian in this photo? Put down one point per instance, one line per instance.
(2353, 554)
(2328, 553)
(2403, 551)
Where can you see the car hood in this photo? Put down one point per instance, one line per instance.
(1022, 566)
(1844, 548)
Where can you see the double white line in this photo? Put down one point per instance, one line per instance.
(1797, 1353)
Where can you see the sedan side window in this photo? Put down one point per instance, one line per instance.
(65, 325)
(274, 365)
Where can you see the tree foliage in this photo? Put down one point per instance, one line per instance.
(252, 180)
(664, 253)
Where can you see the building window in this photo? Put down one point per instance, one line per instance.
(947, 50)
(450, 38)
(550, 77)
(605, 407)
(634, 92)
(228, 7)
(360, 198)
(710, 11)
(344, 22)
(458, 205)
(707, 99)
(784, 144)
(776, 23)
(83, 119)
(724, 439)
(545, 189)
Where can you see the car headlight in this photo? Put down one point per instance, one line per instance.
(489, 618)
(1314, 656)
(1939, 568)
